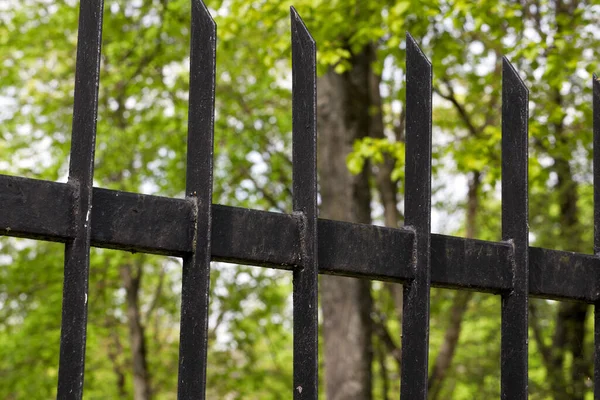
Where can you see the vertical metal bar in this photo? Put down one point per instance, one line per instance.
(415, 322)
(304, 131)
(515, 229)
(81, 172)
(196, 266)
(596, 143)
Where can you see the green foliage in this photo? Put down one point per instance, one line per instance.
(29, 317)
(374, 150)
(142, 124)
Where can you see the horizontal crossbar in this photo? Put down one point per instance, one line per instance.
(40, 209)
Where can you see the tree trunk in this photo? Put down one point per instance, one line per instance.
(114, 350)
(343, 117)
(445, 356)
(571, 317)
(141, 378)
(570, 320)
(460, 304)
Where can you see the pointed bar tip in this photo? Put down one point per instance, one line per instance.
(413, 48)
(299, 29)
(509, 70)
(204, 14)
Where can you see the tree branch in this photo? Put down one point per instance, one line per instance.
(384, 336)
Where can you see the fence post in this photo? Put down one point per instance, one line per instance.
(415, 320)
(81, 173)
(596, 147)
(196, 266)
(304, 159)
(515, 229)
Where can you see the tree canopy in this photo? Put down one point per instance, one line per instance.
(142, 124)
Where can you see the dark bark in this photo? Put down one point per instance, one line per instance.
(141, 378)
(460, 304)
(570, 321)
(558, 385)
(386, 186)
(385, 338)
(581, 368)
(397, 295)
(447, 350)
(114, 350)
(343, 117)
(473, 205)
(383, 371)
(388, 196)
(569, 335)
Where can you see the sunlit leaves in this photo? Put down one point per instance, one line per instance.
(142, 127)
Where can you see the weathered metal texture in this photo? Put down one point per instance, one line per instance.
(515, 230)
(142, 223)
(198, 231)
(81, 172)
(596, 144)
(415, 317)
(160, 225)
(304, 159)
(36, 209)
(563, 275)
(193, 344)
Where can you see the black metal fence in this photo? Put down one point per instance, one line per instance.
(198, 231)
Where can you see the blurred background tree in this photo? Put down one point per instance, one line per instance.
(133, 326)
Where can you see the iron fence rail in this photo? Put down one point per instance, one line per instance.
(141, 223)
(79, 215)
